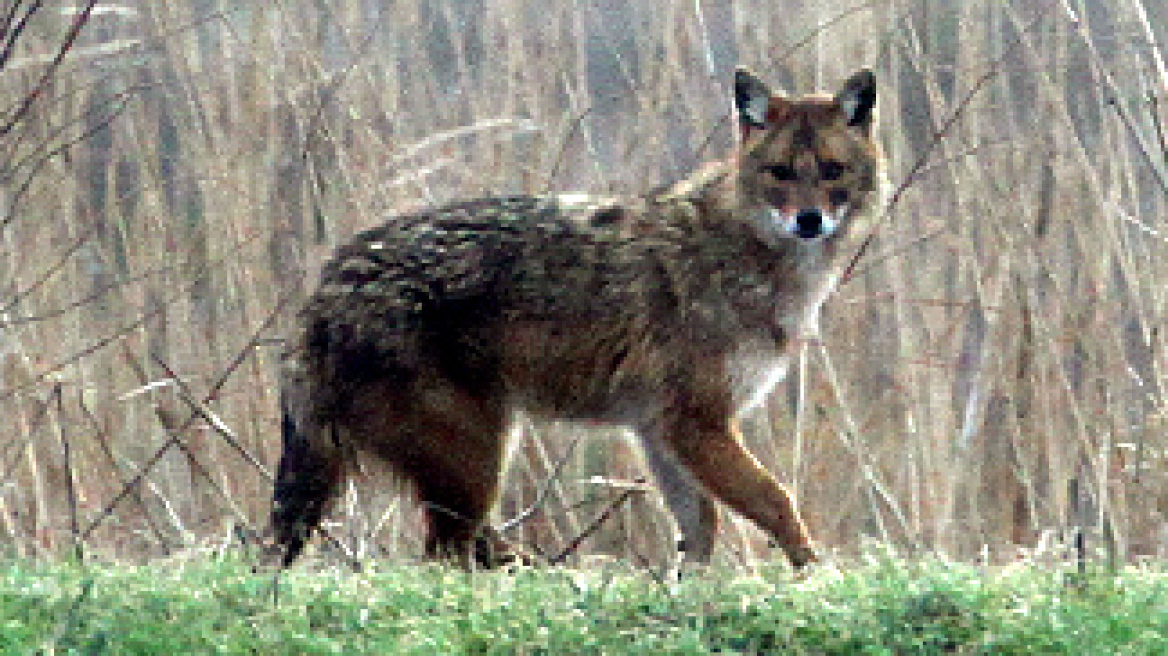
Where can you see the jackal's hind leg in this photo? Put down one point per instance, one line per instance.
(455, 457)
(458, 523)
(694, 511)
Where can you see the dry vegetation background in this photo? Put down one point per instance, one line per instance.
(991, 378)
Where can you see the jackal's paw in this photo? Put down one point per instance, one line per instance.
(802, 556)
(492, 552)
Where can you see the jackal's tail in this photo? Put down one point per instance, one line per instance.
(309, 474)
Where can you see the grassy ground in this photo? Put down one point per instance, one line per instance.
(882, 605)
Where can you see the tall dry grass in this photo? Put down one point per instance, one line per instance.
(989, 378)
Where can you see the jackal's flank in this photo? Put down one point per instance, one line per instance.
(669, 313)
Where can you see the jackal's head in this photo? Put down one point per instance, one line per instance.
(805, 165)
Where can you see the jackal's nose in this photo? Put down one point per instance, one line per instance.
(809, 223)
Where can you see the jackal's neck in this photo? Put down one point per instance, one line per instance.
(711, 189)
(709, 207)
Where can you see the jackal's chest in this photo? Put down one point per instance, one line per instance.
(755, 370)
(759, 363)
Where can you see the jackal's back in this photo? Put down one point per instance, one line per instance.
(439, 289)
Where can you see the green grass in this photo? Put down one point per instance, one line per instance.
(876, 607)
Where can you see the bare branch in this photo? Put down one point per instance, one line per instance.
(79, 22)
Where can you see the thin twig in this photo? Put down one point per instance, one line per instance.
(938, 136)
(79, 21)
(596, 523)
(136, 480)
(11, 28)
(574, 126)
(51, 271)
(1158, 123)
(70, 483)
(822, 27)
(201, 410)
(48, 155)
(103, 442)
(544, 492)
(197, 277)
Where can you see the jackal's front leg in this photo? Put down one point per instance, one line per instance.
(705, 440)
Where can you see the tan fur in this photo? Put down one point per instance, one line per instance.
(669, 312)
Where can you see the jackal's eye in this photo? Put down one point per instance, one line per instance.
(782, 172)
(831, 170)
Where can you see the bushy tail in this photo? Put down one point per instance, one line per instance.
(310, 472)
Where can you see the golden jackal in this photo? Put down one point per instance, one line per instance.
(669, 312)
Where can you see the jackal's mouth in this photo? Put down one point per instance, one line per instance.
(808, 224)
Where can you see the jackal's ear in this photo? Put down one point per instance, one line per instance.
(857, 98)
(752, 100)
